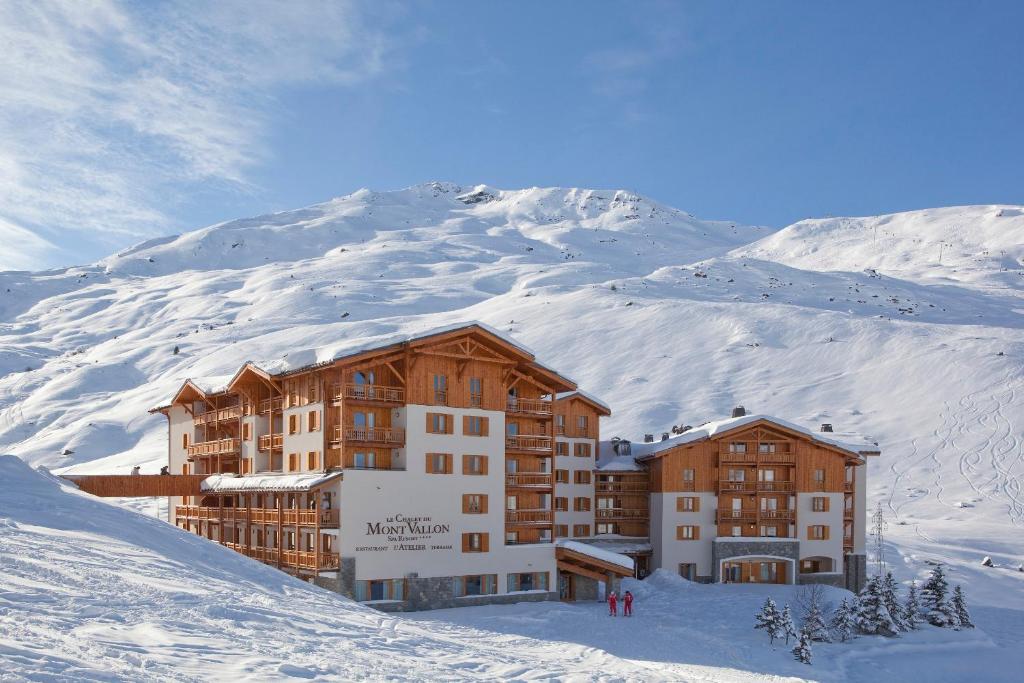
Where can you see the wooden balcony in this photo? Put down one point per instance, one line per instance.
(528, 406)
(531, 443)
(848, 486)
(736, 486)
(541, 517)
(741, 458)
(379, 435)
(216, 447)
(778, 458)
(621, 513)
(779, 515)
(528, 479)
(328, 519)
(298, 559)
(268, 441)
(269, 404)
(367, 392)
(725, 516)
(622, 487)
(848, 514)
(215, 416)
(775, 486)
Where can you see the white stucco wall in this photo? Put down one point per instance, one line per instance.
(806, 516)
(668, 552)
(572, 490)
(860, 495)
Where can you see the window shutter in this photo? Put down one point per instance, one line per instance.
(485, 542)
(483, 504)
(465, 543)
(679, 533)
(430, 426)
(465, 503)
(429, 461)
(483, 464)
(824, 504)
(824, 532)
(696, 504)
(484, 428)
(696, 533)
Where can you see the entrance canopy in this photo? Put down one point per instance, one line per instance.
(595, 563)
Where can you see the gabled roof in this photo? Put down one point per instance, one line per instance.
(228, 483)
(195, 389)
(590, 399)
(645, 451)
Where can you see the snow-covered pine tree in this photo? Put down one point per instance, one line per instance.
(912, 608)
(842, 622)
(814, 624)
(769, 619)
(959, 604)
(890, 597)
(786, 624)
(935, 599)
(873, 617)
(802, 649)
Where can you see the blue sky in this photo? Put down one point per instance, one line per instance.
(123, 121)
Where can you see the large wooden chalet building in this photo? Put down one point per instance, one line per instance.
(453, 468)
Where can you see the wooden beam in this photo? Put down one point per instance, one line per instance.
(398, 375)
(583, 571)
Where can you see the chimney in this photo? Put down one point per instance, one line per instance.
(684, 428)
(826, 427)
(664, 436)
(625, 447)
(648, 438)
(739, 411)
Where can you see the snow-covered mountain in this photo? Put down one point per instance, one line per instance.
(668, 318)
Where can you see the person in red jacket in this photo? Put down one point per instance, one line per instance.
(627, 604)
(613, 605)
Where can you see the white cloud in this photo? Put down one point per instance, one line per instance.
(112, 111)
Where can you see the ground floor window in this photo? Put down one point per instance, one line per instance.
(476, 584)
(688, 570)
(528, 581)
(380, 589)
(607, 528)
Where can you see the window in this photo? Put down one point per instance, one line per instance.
(474, 464)
(561, 530)
(561, 476)
(687, 504)
(313, 421)
(561, 504)
(246, 431)
(737, 531)
(770, 531)
(474, 425)
(581, 476)
(819, 504)
(475, 543)
(439, 463)
(365, 460)
(582, 450)
(581, 504)
(581, 426)
(688, 570)
(768, 572)
(817, 532)
(439, 423)
(440, 390)
(819, 478)
(184, 440)
(737, 447)
(474, 503)
(737, 475)
(313, 391)
(511, 538)
(687, 532)
(766, 475)
(561, 448)
(765, 448)
(688, 476)
(608, 528)
(484, 584)
(293, 462)
(184, 468)
(530, 581)
(293, 423)
(581, 530)
(559, 424)
(312, 460)
(380, 589)
(476, 392)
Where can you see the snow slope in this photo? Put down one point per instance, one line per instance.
(667, 318)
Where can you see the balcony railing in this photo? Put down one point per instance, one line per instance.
(528, 516)
(736, 516)
(367, 392)
(268, 441)
(367, 435)
(621, 513)
(744, 457)
(286, 516)
(540, 479)
(778, 457)
(268, 404)
(730, 485)
(224, 414)
(528, 442)
(783, 515)
(622, 487)
(530, 406)
(302, 559)
(848, 486)
(216, 447)
(780, 486)
(440, 397)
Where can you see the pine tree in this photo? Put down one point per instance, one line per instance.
(934, 598)
(912, 609)
(769, 619)
(814, 624)
(959, 605)
(873, 617)
(786, 624)
(842, 621)
(891, 599)
(802, 649)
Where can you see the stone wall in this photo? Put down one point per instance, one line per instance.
(855, 570)
(728, 549)
(836, 579)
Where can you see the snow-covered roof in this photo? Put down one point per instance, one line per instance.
(620, 463)
(266, 482)
(584, 395)
(706, 431)
(596, 553)
(620, 544)
(214, 384)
